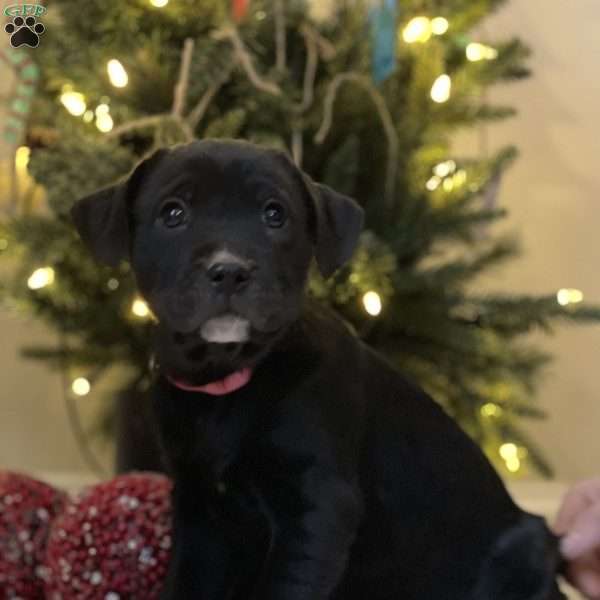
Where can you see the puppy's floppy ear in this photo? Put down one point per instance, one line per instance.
(339, 221)
(102, 218)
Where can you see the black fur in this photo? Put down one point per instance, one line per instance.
(328, 476)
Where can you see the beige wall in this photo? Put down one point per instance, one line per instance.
(552, 194)
(553, 197)
(33, 425)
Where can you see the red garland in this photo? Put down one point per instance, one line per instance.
(239, 9)
(113, 541)
(27, 507)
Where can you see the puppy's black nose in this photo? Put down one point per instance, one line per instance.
(228, 277)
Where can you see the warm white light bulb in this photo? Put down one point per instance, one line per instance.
(513, 464)
(508, 451)
(476, 52)
(159, 3)
(22, 158)
(102, 109)
(460, 178)
(372, 303)
(41, 278)
(104, 122)
(440, 91)
(433, 183)
(491, 410)
(417, 30)
(568, 296)
(444, 169)
(140, 309)
(81, 386)
(74, 102)
(439, 25)
(117, 73)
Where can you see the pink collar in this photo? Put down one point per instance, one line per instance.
(230, 384)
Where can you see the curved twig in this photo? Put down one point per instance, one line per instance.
(187, 130)
(181, 87)
(280, 35)
(297, 147)
(384, 115)
(136, 124)
(245, 61)
(179, 98)
(310, 70)
(326, 48)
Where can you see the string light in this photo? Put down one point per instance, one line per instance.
(117, 73)
(439, 25)
(491, 410)
(476, 52)
(74, 102)
(3, 244)
(418, 29)
(567, 296)
(444, 169)
(88, 116)
(112, 284)
(104, 122)
(440, 91)
(513, 464)
(40, 278)
(372, 303)
(22, 159)
(445, 174)
(159, 3)
(433, 183)
(460, 177)
(508, 450)
(140, 309)
(510, 454)
(81, 386)
(448, 184)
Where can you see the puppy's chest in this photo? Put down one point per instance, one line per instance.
(217, 443)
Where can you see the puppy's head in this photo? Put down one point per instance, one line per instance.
(220, 236)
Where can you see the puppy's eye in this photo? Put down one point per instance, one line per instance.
(173, 214)
(274, 214)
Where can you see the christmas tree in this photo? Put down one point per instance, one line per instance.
(366, 96)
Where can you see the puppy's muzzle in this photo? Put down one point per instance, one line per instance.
(226, 329)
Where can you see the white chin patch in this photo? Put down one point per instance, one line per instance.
(226, 330)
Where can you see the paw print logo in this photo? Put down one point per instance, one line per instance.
(24, 32)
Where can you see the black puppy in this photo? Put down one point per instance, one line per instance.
(305, 467)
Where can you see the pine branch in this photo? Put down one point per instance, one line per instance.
(457, 271)
(198, 112)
